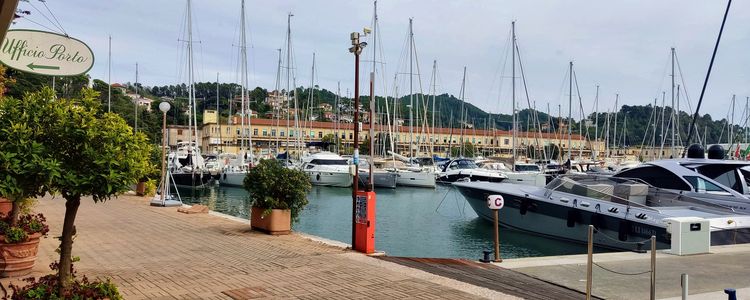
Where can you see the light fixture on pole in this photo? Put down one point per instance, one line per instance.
(162, 198)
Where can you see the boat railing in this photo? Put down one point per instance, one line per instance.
(605, 188)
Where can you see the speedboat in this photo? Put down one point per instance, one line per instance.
(327, 169)
(234, 168)
(464, 169)
(713, 179)
(624, 212)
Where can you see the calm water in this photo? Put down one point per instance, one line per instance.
(410, 222)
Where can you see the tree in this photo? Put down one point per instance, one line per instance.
(26, 168)
(99, 156)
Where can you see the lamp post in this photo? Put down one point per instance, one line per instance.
(164, 107)
(356, 49)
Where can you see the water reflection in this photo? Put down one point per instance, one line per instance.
(410, 222)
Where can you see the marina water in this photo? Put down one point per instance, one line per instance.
(413, 222)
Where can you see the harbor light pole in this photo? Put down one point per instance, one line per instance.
(164, 107)
(356, 49)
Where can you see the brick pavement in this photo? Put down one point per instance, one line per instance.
(157, 253)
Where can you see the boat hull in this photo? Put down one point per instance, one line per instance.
(191, 180)
(556, 221)
(329, 178)
(469, 176)
(380, 179)
(416, 179)
(235, 179)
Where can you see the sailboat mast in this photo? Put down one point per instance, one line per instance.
(193, 121)
(135, 108)
(243, 76)
(288, 79)
(277, 102)
(462, 122)
(617, 112)
(434, 95)
(411, 93)
(372, 92)
(663, 112)
(513, 89)
(671, 148)
(570, 113)
(109, 76)
(596, 122)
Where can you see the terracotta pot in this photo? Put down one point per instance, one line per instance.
(5, 206)
(18, 259)
(140, 188)
(278, 222)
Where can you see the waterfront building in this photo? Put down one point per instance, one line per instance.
(269, 134)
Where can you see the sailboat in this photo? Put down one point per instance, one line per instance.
(233, 173)
(413, 175)
(186, 164)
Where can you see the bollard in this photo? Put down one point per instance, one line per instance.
(731, 294)
(684, 285)
(486, 258)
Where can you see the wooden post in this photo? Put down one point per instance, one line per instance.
(653, 267)
(590, 263)
(497, 236)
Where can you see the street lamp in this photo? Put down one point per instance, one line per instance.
(356, 49)
(164, 107)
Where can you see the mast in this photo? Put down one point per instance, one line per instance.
(596, 123)
(513, 88)
(434, 95)
(663, 112)
(218, 115)
(243, 76)
(617, 112)
(411, 93)
(372, 92)
(277, 102)
(136, 98)
(288, 79)
(462, 121)
(336, 124)
(109, 76)
(671, 148)
(570, 113)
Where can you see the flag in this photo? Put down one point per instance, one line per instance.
(737, 152)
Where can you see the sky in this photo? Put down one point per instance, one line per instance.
(623, 46)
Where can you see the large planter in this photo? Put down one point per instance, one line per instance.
(5, 206)
(18, 259)
(278, 222)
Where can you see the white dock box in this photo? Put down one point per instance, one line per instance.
(690, 235)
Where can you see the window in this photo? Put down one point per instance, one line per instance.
(228, 128)
(179, 131)
(701, 185)
(723, 174)
(255, 131)
(273, 132)
(238, 131)
(320, 134)
(312, 133)
(343, 136)
(351, 136)
(265, 132)
(281, 132)
(506, 141)
(656, 176)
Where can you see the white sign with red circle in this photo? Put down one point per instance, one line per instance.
(495, 201)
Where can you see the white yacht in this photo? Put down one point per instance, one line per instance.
(328, 169)
(233, 169)
(464, 169)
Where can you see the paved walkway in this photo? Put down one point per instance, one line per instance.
(157, 253)
(709, 274)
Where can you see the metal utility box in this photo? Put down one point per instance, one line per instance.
(690, 235)
(364, 229)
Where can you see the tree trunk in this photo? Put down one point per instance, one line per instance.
(14, 212)
(66, 244)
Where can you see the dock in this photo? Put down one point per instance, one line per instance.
(158, 253)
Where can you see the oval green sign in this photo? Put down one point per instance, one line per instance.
(45, 53)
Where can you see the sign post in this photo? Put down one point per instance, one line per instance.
(45, 53)
(495, 203)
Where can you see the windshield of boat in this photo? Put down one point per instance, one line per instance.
(725, 174)
(627, 191)
(329, 162)
(462, 164)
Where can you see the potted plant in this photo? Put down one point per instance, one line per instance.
(46, 288)
(277, 195)
(19, 243)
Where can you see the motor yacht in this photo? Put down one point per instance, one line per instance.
(623, 211)
(327, 169)
(464, 169)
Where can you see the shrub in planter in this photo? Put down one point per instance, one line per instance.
(276, 192)
(46, 288)
(20, 243)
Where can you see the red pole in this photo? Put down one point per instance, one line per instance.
(356, 47)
